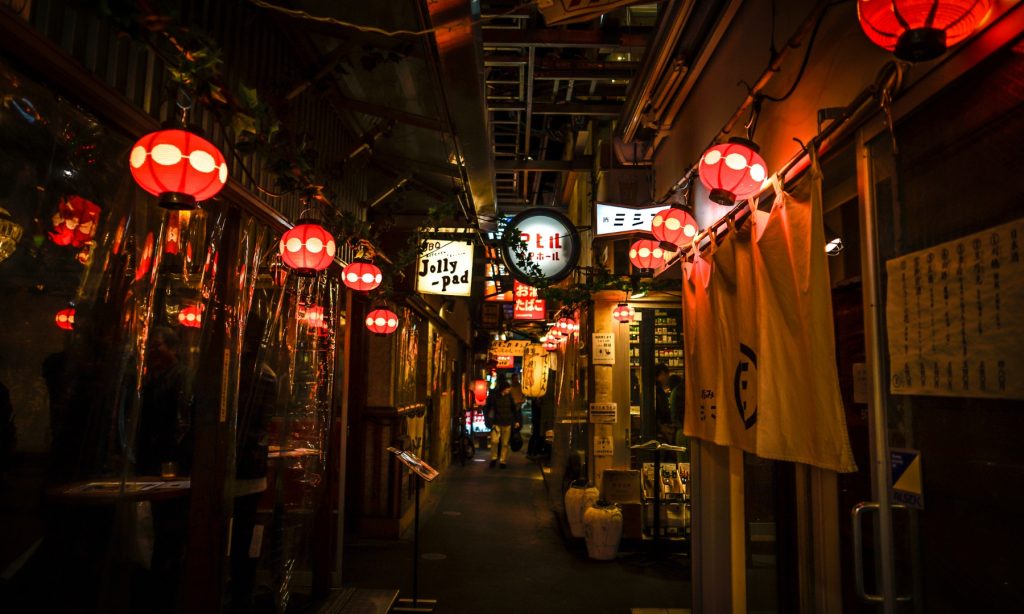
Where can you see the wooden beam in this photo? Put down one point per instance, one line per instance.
(544, 37)
(577, 164)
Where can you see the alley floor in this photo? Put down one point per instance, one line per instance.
(492, 545)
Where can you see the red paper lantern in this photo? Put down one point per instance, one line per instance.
(307, 249)
(566, 326)
(75, 222)
(480, 391)
(551, 346)
(919, 30)
(191, 316)
(646, 254)
(623, 313)
(674, 227)
(382, 321)
(732, 171)
(66, 318)
(361, 275)
(179, 167)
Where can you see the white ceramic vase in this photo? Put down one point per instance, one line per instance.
(603, 528)
(578, 498)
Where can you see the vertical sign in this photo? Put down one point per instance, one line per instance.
(528, 306)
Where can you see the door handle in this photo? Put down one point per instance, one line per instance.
(856, 516)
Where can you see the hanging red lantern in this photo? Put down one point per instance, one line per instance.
(66, 318)
(382, 321)
(480, 391)
(646, 254)
(623, 313)
(362, 275)
(178, 167)
(554, 334)
(313, 316)
(75, 222)
(566, 326)
(307, 249)
(732, 171)
(551, 346)
(191, 316)
(674, 227)
(920, 30)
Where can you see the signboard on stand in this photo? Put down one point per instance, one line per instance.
(548, 246)
(445, 267)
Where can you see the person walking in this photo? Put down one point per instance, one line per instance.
(506, 416)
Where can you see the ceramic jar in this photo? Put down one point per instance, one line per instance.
(578, 498)
(603, 528)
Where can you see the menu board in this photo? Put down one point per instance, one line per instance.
(955, 317)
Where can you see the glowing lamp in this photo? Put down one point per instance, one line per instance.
(307, 249)
(566, 326)
(623, 313)
(480, 391)
(732, 171)
(313, 316)
(66, 318)
(646, 254)
(382, 321)
(179, 167)
(361, 275)
(551, 345)
(674, 227)
(920, 30)
(191, 317)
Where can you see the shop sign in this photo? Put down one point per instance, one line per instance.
(619, 220)
(505, 362)
(550, 241)
(508, 348)
(604, 413)
(445, 267)
(528, 304)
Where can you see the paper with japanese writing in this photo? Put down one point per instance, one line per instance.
(955, 317)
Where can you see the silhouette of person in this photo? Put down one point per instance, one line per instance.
(165, 421)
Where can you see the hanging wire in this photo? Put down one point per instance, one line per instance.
(807, 53)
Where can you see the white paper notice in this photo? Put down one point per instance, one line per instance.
(604, 348)
(606, 413)
(955, 316)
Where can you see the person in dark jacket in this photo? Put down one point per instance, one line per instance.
(506, 415)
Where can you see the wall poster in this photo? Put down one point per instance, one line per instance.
(955, 317)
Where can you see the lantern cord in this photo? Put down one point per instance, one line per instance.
(807, 54)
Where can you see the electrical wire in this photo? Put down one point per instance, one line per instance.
(807, 55)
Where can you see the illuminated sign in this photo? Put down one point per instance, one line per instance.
(528, 306)
(550, 242)
(445, 267)
(505, 362)
(616, 219)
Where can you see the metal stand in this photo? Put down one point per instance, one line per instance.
(416, 604)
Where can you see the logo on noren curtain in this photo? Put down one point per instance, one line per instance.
(745, 385)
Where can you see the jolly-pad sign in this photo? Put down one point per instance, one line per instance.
(445, 267)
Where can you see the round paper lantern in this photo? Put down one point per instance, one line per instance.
(480, 391)
(920, 30)
(382, 321)
(646, 254)
(623, 313)
(307, 249)
(674, 227)
(313, 316)
(178, 167)
(191, 317)
(361, 275)
(551, 345)
(732, 171)
(66, 318)
(535, 370)
(566, 326)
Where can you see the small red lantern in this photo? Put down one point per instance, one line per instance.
(554, 334)
(307, 249)
(551, 346)
(191, 316)
(382, 321)
(674, 227)
(732, 171)
(362, 275)
(75, 222)
(313, 316)
(920, 30)
(646, 254)
(66, 318)
(480, 391)
(566, 326)
(179, 167)
(623, 313)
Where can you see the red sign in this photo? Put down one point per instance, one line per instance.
(505, 362)
(527, 304)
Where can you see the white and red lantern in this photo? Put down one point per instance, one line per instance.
(66, 318)
(75, 222)
(480, 391)
(307, 249)
(920, 30)
(623, 313)
(191, 316)
(674, 227)
(313, 316)
(566, 326)
(382, 321)
(361, 275)
(646, 255)
(551, 345)
(179, 167)
(732, 171)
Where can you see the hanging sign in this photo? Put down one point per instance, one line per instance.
(619, 220)
(528, 305)
(953, 317)
(547, 239)
(505, 362)
(508, 348)
(445, 267)
(604, 348)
